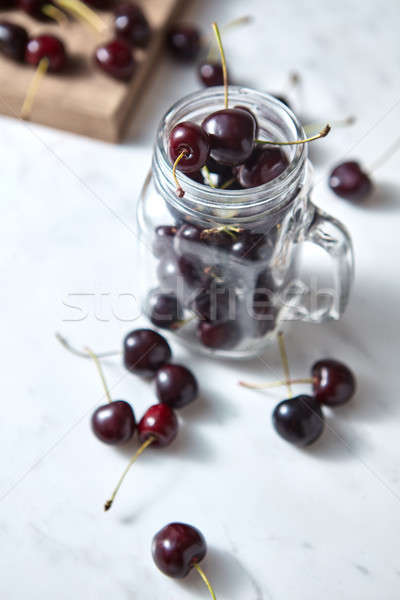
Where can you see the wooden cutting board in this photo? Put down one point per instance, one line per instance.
(83, 100)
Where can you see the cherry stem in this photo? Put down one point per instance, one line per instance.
(33, 88)
(208, 176)
(179, 191)
(134, 458)
(316, 125)
(323, 133)
(285, 362)
(223, 61)
(183, 322)
(211, 57)
(265, 386)
(385, 156)
(81, 353)
(82, 12)
(101, 373)
(54, 13)
(205, 579)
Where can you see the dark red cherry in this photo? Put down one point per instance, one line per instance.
(160, 422)
(34, 8)
(334, 384)
(131, 24)
(216, 302)
(13, 40)
(247, 109)
(176, 385)
(218, 335)
(299, 420)
(231, 133)
(6, 4)
(196, 176)
(219, 169)
(114, 422)
(187, 238)
(177, 548)
(116, 59)
(46, 46)
(99, 4)
(184, 42)
(145, 351)
(164, 239)
(211, 73)
(168, 272)
(349, 181)
(192, 139)
(191, 269)
(264, 165)
(165, 311)
(248, 246)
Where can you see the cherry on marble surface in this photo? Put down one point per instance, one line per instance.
(13, 40)
(333, 382)
(46, 46)
(184, 41)
(262, 166)
(114, 423)
(349, 181)
(116, 59)
(177, 548)
(190, 138)
(176, 385)
(211, 73)
(165, 311)
(131, 25)
(231, 133)
(299, 420)
(145, 351)
(158, 422)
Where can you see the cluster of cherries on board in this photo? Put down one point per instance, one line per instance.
(115, 57)
(178, 547)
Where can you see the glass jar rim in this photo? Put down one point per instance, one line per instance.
(268, 195)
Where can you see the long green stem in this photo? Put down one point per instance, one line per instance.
(101, 373)
(285, 362)
(223, 61)
(83, 354)
(265, 386)
(205, 579)
(323, 133)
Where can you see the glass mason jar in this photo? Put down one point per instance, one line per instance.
(224, 274)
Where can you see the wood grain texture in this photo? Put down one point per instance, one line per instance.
(83, 99)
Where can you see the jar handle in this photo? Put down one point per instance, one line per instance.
(331, 235)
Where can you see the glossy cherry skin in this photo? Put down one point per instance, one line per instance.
(176, 385)
(114, 423)
(248, 246)
(211, 74)
(264, 165)
(131, 25)
(215, 302)
(165, 311)
(334, 384)
(46, 46)
(349, 181)
(6, 4)
(160, 422)
(177, 548)
(218, 335)
(145, 351)
(184, 42)
(164, 239)
(13, 41)
(192, 139)
(116, 59)
(299, 420)
(231, 133)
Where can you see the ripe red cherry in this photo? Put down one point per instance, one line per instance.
(184, 42)
(13, 41)
(131, 25)
(46, 46)
(299, 420)
(176, 385)
(264, 165)
(333, 382)
(211, 74)
(145, 351)
(231, 133)
(165, 311)
(177, 548)
(349, 181)
(116, 59)
(99, 4)
(218, 335)
(163, 240)
(34, 8)
(158, 422)
(114, 422)
(192, 139)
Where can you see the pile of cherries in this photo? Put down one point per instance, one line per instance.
(115, 57)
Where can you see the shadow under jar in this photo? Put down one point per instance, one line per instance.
(220, 268)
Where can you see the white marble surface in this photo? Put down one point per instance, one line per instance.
(281, 523)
